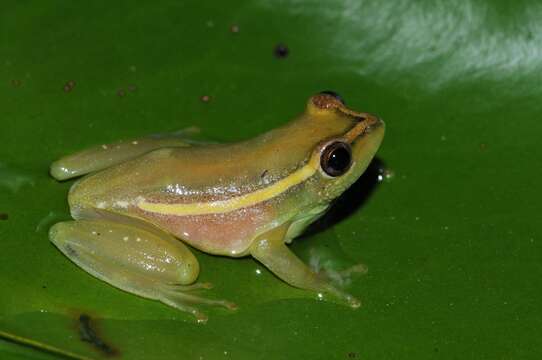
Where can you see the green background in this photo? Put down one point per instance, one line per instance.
(452, 237)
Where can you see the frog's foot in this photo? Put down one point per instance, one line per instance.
(136, 258)
(270, 249)
(176, 296)
(340, 277)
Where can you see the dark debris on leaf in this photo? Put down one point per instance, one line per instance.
(68, 87)
(89, 334)
(281, 51)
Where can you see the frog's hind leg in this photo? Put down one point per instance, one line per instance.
(141, 260)
(103, 156)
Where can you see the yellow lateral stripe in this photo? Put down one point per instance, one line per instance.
(235, 203)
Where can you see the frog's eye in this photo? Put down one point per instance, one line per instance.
(334, 94)
(336, 158)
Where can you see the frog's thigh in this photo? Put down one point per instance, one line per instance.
(270, 249)
(151, 264)
(103, 156)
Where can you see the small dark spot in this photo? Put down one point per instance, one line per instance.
(121, 93)
(352, 355)
(435, 350)
(132, 88)
(16, 82)
(98, 234)
(3, 216)
(234, 28)
(264, 173)
(89, 334)
(44, 286)
(70, 251)
(69, 86)
(281, 51)
(205, 98)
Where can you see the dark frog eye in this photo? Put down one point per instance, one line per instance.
(334, 94)
(336, 158)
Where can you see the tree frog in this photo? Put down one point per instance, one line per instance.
(143, 198)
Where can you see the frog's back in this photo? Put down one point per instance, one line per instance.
(212, 174)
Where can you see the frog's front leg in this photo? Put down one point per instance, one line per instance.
(103, 156)
(151, 264)
(269, 248)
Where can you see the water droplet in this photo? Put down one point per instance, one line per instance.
(385, 174)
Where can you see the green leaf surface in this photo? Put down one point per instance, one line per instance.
(451, 236)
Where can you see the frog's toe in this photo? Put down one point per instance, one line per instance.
(334, 294)
(343, 277)
(337, 280)
(196, 286)
(361, 269)
(177, 296)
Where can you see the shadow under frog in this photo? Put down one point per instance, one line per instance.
(350, 201)
(324, 254)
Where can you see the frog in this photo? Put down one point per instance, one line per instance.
(141, 204)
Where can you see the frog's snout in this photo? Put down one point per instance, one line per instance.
(372, 123)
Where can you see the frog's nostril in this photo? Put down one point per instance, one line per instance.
(334, 94)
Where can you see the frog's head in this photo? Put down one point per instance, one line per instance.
(349, 141)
